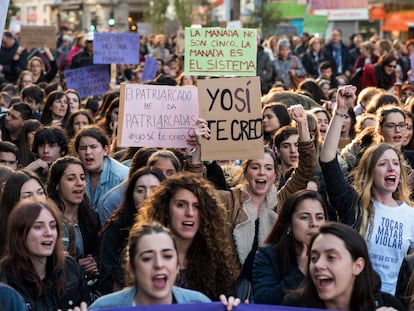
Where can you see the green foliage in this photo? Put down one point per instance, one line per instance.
(265, 17)
(13, 10)
(158, 14)
(183, 11)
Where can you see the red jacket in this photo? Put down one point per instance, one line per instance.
(369, 78)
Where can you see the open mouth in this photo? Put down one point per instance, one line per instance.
(89, 161)
(391, 179)
(78, 193)
(323, 281)
(294, 158)
(188, 224)
(260, 184)
(397, 138)
(159, 281)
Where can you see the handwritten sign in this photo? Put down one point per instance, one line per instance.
(232, 108)
(156, 115)
(213, 306)
(179, 47)
(220, 51)
(116, 48)
(88, 81)
(150, 69)
(38, 36)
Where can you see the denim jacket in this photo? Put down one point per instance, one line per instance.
(125, 298)
(113, 173)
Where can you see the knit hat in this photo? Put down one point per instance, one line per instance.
(67, 38)
(89, 36)
(283, 43)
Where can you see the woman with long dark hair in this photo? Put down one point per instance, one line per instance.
(281, 264)
(66, 187)
(340, 274)
(381, 74)
(34, 263)
(114, 233)
(56, 110)
(22, 184)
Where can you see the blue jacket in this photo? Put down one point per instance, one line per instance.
(111, 201)
(113, 174)
(268, 286)
(125, 298)
(10, 299)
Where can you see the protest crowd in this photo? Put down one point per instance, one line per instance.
(322, 217)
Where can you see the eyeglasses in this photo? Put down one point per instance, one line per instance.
(393, 126)
(391, 66)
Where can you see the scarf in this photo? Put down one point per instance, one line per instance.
(384, 80)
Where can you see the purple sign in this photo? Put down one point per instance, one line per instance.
(214, 306)
(88, 81)
(116, 48)
(150, 69)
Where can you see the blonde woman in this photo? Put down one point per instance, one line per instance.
(378, 203)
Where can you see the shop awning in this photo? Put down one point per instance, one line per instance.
(398, 21)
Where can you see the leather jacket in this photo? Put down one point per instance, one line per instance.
(76, 290)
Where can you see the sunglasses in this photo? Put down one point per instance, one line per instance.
(391, 66)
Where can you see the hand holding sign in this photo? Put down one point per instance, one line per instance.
(202, 130)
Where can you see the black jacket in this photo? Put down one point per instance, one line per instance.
(76, 291)
(403, 278)
(82, 59)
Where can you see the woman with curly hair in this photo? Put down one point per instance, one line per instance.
(190, 207)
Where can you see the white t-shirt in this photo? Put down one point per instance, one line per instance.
(391, 238)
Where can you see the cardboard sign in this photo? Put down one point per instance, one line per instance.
(156, 115)
(38, 36)
(232, 108)
(150, 69)
(116, 48)
(88, 81)
(4, 5)
(179, 48)
(220, 51)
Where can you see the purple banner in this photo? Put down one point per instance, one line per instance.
(88, 81)
(214, 306)
(150, 69)
(116, 48)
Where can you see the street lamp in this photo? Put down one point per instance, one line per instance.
(111, 20)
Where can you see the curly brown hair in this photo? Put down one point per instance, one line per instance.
(212, 266)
